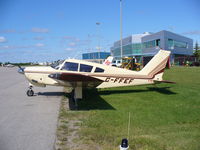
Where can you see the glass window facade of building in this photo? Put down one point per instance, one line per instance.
(151, 44)
(116, 52)
(170, 44)
(137, 48)
(176, 44)
(147, 45)
(128, 50)
(95, 55)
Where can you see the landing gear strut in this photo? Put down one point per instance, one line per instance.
(30, 92)
(76, 95)
(74, 99)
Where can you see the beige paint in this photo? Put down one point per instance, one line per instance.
(111, 77)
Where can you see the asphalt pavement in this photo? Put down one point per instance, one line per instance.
(27, 123)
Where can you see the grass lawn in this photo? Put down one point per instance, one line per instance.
(163, 117)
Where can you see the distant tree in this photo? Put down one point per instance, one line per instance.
(197, 50)
(7, 63)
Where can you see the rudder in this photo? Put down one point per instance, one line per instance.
(156, 66)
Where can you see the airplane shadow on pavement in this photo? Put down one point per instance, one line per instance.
(91, 100)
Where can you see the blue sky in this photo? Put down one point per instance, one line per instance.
(47, 30)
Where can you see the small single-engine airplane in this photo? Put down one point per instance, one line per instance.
(77, 74)
(108, 61)
(9, 65)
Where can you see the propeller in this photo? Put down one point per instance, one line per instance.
(21, 70)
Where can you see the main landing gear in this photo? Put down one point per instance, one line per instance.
(30, 92)
(74, 99)
(76, 95)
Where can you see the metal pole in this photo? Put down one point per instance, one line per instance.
(98, 36)
(129, 123)
(121, 28)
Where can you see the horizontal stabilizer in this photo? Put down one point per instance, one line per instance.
(164, 81)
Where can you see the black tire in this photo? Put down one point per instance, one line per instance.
(72, 95)
(30, 93)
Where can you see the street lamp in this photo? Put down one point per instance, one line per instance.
(98, 36)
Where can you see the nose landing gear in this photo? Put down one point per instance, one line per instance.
(30, 92)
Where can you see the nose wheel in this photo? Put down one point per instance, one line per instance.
(30, 92)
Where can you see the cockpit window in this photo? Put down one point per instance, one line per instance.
(99, 69)
(85, 68)
(57, 64)
(70, 66)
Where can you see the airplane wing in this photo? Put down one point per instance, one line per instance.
(73, 78)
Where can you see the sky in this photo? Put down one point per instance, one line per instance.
(48, 30)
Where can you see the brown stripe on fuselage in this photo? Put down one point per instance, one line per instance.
(92, 75)
(78, 77)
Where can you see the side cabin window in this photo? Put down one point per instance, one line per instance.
(99, 69)
(70, 66)
(85, 68)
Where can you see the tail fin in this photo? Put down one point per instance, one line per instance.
(155, 68)
(108, 61)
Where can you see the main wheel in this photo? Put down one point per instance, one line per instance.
(30, 93)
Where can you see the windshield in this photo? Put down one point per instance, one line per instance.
(57, 64)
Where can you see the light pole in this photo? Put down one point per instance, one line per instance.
(98, 36)
(121, 28)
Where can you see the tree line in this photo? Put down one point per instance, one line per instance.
(197, 51)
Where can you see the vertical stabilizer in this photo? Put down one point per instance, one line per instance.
(155, 67)
(108, 61)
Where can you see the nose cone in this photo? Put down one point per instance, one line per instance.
(21, 70)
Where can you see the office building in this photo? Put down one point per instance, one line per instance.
(144, 46)
(95, 56)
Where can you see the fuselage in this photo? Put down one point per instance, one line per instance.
(102, 76)
(77, 74)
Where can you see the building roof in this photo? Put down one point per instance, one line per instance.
(134, 38)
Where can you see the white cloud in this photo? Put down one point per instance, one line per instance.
(39, 45)
(10, 47)
(38, 38)
(40, 30)
(8, 31)
(69, 49)
(4, 47)
(68, 37)
(171, 28)
(71, 38)
(194, 32)
(2, 39)
(72, 44)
